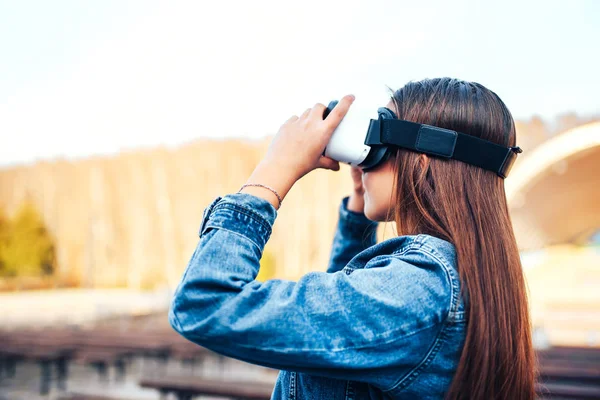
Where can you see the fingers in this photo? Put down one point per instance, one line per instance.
(308, 113)
(291, 119)
(339, 111)
(317, 111)
(335, 116)
(305, 113)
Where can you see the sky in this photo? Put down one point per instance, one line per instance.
(84, 78)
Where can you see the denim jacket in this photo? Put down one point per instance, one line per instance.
(385, 321)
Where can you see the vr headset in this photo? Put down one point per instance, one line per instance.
(349, 144)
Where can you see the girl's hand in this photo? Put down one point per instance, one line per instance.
(296, 150)
(356, 202)
(298, 146)
(356, 174)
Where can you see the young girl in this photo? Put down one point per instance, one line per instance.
(439, 311)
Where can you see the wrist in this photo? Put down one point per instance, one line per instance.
(268, 174)
(356, 202)
(263, 193)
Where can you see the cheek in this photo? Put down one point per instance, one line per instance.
(378, 185)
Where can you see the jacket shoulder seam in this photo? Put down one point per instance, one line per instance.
(449, 272)
(414, 373)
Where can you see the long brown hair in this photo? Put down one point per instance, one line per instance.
(467, 206)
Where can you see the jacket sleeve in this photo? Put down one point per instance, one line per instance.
(354, 233)
(341, 325)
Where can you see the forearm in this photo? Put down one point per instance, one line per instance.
(354, 233)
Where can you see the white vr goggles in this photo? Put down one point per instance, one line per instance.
(355, 143)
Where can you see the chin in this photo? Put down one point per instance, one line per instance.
(369, 214)
(374, 214)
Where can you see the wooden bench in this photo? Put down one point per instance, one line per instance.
(569, 373)
(186, 388)
(99, 347)
(45, 356)
(59, 347)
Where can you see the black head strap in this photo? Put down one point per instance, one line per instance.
(442, 143)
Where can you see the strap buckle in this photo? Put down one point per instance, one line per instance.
(509, 160)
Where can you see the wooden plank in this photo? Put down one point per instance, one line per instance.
(87, 396)
(549, 390)
(570, 374)
(210, 387)
(585, 353)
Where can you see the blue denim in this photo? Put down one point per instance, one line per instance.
(385, 321)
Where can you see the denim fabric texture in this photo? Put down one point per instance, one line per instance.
(384, 321)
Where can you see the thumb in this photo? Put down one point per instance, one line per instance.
(328, 163)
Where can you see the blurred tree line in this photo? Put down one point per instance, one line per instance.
(26, 247)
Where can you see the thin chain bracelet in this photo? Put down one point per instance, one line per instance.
(266, 187)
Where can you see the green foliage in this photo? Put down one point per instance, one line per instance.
(267, 266)
(26, 248)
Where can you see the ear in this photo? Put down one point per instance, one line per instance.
(424, 160)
